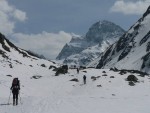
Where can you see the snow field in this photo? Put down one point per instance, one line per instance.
(57, 94)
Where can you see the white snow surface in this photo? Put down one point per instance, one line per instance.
(57, 94)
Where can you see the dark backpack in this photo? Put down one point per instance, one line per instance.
(15, 81)
(84, 77)
(15, 84)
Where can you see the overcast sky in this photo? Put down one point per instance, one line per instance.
(44, 26)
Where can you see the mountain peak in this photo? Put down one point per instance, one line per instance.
(104, 22)
(99, 29)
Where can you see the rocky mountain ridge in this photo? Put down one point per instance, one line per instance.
(82, 50)
(12, 57)
(132, 50)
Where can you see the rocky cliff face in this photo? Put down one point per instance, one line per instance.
(82, 50)
(132, 50)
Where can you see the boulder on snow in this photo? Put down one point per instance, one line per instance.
(104, 75)
(113, 94)
(104, 72)
(84, 71)
(75, 80)
(132, 78)
(30, 65)
(52, 67)
(62, 70)
(131, 83)
(114, 69)
(36, 76)
(10, 65)
(43, 65)
(112, 77)
(99, 85)
(82, 67)
(122, 72)
(71, 75)
(93, 78)
(9, 75)
(98, 76)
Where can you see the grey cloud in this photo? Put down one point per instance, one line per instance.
(133, 7)
(48, 44)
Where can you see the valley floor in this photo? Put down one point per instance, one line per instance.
(51, 94)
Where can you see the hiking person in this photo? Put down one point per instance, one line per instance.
(15, 90)
(77, 70)
(84, 79)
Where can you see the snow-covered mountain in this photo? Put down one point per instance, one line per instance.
(14, 58)
(132, 50)
(83, 49)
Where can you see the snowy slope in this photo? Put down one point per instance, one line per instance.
(132, 49)
(51, 94)
(83, 49)
(14, 57)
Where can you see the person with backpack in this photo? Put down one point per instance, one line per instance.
(77, 70)
(84, 79)
(15, 90)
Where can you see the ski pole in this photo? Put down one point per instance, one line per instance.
(20, 98)
(9, 97)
